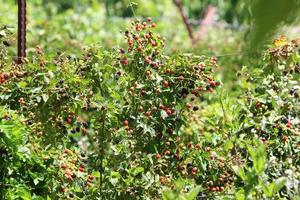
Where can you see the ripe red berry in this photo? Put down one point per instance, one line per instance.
(155, 65)
(158, 156)
(153, 25)
(166, 83)
(147, 36)
(169, 112)
(153, 43)
(197, 146)
(190, 145)
(195, 169)
(81, 169)
(148, 60)
(213, 83)
(289, 124)
(136, 37)
(140, 48)
(130, 43)
(91, 177)
(167, 153)
(126, 123)
(148, 114)
(88, 184)
(124, 61)
(69, 120)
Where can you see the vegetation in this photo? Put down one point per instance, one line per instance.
(95, 113)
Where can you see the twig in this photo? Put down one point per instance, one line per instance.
(185, 19)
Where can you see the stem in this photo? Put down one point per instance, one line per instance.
(21, 31)
(185, 19)
(101, 151)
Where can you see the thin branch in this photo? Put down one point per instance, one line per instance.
(185, 19)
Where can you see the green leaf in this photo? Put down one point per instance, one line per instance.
(2, 33)
(24, 193)
(258, 156)
(137, 171)
(278, 185)
(266, 22)
(266, 189)
(193, 193)
(45, 97)
(96, 174)
(240, 195)
(239, 171)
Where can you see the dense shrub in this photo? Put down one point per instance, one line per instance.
(257, 134)
(106, 124)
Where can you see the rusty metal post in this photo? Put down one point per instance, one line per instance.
(21, 30)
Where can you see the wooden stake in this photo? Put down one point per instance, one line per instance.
(21, 31)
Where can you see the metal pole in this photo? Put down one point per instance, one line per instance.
(21, 30)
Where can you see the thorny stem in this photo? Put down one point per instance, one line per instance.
(21, 31)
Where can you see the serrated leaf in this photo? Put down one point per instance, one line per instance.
(239, 171)
(278, 185)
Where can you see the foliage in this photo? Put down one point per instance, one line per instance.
(106, 106)
(265, 23)
(140, 121)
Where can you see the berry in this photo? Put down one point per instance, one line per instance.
(289, 124)
(158, 156)
(169, 112)
(197, 146)
(81, 169)
(195, 169)
(126, 123)
(124, 61)
(167, 153)
(136, 37)
(91, 177)
(188, 105)
(195, 108)
(148, 73)
(166, 83)
(155, 65)
(153, 43)
(69, 120)
(190, 145)
(148, 114)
